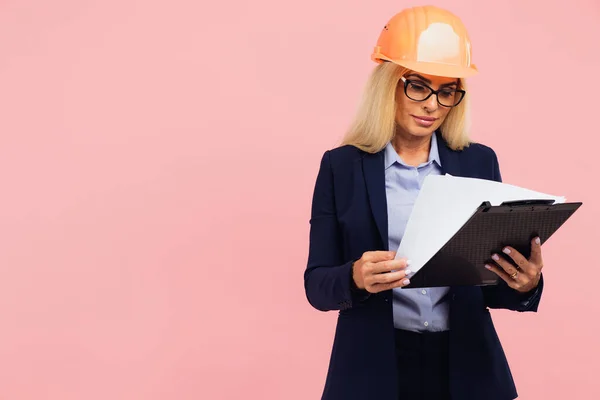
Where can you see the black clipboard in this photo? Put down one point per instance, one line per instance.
(460, 262)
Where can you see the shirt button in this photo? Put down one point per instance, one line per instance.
(424, 291)
(426, 323)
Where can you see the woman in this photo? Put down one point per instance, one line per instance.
(393, 343)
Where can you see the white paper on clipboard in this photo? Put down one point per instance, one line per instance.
(443, 206)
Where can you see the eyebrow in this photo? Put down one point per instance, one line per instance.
(427, 81)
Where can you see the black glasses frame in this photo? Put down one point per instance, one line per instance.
(432, 92)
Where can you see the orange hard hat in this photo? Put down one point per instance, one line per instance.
(426, 39)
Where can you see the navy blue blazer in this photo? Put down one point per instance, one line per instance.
(348, 218)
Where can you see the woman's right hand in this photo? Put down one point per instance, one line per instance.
(373, 272)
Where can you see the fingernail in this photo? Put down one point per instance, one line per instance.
(407, 271)
(408, 262)
(495, 257)
(405, 282)
(487, 266)
(537, 240)
(506, 250)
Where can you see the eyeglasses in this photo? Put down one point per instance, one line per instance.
(418, 91)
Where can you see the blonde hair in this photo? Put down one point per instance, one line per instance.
(375, 122)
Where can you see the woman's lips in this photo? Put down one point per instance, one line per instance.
(424, 121)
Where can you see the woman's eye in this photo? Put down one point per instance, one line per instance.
(418, 87)
(447, 93)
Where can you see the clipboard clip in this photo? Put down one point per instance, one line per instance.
(486, 205)
(537, 202)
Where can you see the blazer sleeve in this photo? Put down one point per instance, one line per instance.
(502, 295)
(328, 277)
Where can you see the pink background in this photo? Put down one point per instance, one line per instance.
(157, 161)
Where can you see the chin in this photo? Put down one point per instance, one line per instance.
(413, 129)
(422, 131)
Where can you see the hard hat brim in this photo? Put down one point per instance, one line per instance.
(435, 69)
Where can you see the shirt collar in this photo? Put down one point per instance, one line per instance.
(392, 157)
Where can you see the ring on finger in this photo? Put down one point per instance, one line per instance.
(515, 274)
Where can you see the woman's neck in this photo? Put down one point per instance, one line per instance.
(414, 150)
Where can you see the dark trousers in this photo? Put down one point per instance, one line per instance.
(423, 366)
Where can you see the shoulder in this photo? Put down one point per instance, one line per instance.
(481, 161)
(343, 156)
(479, 152)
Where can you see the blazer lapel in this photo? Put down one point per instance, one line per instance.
(449, 158)
(374, 173)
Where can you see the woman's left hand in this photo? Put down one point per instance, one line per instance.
(527, 276)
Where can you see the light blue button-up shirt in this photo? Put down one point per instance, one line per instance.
(414, 309)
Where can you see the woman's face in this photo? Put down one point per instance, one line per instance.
(421, 118)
